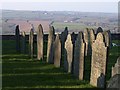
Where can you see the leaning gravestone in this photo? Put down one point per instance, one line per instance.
(114, 82)
(17, 37)
(40, 42)
(78, 67)
(57, 51)
(99, 62)
(50, 49)
(68, 54)
(31, 43)
(23, 42)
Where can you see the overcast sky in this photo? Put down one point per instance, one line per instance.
(62, 5)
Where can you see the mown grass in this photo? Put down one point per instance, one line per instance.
(20, 72)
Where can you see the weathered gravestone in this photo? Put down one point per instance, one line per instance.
(99, 62)
(57, 51)
(86, 37)
(17, 37)
(31, 43)
(23, 42)
(63, 39)
(91, 39)
(116, 68)
(68, 54)
(78, 67)
(40, 42)
(92, 36)
(50, 49)
(107, 36)
(114, 82)
(99, 30)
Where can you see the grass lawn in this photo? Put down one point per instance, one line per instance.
(20, 72)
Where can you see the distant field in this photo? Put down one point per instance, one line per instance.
(75, 21)
(72, 27)
(8, 27)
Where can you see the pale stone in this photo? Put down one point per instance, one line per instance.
(107, 37)
(40, 42)
(31, 43)
(50, 49)
(86, 41)
(23, 42)
(116, 68)
(57, 51)
(92, 36)
(68, 54)
(99, 60)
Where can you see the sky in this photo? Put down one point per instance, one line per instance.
(62, 5)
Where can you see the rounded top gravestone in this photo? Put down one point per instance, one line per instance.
(99, 30)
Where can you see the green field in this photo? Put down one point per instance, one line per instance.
(73, 27)
(20, 72)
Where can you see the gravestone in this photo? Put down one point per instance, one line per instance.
(68, 54)
(31, 43)
(50, 49)
(92, 36)
(57, 51)
(107, 37)
(86, 41)
(17, 37)
(40, 42)
(114, 81)
(23, 42)
(99, 30)
(99, 61)
(116, 68)
(63, 39)
(91, 39)
(78, 67)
